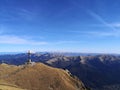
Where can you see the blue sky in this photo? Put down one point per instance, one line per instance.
(60, 25)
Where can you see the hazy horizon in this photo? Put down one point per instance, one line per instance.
(62, 52)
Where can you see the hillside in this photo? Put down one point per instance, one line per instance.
(7, 87)
(37, 77)
(99, 72)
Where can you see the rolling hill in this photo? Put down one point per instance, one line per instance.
(37, 76)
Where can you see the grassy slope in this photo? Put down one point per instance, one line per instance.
(39, 77)
(7, 87)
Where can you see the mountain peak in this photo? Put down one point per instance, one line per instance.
(40, 76)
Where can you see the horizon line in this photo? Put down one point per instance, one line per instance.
(18, 52)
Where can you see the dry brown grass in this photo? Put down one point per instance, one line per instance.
(39, 77)
(7, 87)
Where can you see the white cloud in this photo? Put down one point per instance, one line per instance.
(115, 24)
(113, 28)
(103, 34)
(16, 14)
(66, 42)
(26, 14)
(97, 33)
(11, 39)
(101, 20)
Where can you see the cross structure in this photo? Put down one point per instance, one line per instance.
(29, 57)
(2, 61)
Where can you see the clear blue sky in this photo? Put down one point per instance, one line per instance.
(60, 25)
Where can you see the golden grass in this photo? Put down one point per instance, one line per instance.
(2, 87)
(39, 77)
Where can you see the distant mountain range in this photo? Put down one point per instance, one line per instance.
(99, 72)
(61, 53)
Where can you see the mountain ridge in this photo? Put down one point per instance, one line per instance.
(39, 77)
(89, 69)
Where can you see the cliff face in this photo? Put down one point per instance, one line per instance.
(38, 77)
